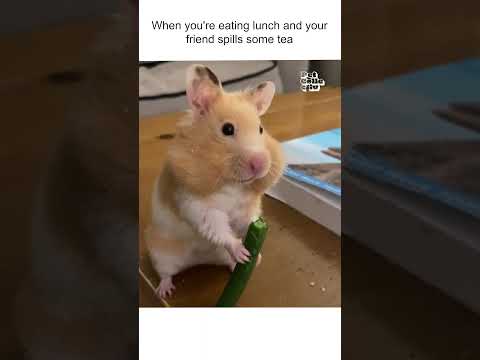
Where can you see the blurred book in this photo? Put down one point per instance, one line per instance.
(311, 182)
(416, 175)
(405, 108)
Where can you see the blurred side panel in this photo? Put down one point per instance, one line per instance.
(410, 253)
(70, 181)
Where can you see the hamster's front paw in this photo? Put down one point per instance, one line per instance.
(239, 252)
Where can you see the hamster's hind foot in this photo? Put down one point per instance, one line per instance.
(165, 288)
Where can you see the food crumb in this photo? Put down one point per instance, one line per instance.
(324, 288)
(312, 283)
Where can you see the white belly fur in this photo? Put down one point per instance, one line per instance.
(240, 208)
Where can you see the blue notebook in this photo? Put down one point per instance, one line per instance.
(316, 160)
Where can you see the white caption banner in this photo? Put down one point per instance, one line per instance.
(246, 30)
(214, 333)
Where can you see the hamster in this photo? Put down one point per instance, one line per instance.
(218, 167)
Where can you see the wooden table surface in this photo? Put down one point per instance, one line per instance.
(301, 259)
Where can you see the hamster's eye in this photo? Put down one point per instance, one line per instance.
(228, 129)
(261, 129)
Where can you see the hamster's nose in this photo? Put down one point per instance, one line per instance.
(257, 163)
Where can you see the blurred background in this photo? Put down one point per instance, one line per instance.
(162, 84)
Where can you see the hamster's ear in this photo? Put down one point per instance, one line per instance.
(262, 96)
(203, 88)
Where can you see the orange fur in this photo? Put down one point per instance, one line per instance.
(203, 160)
